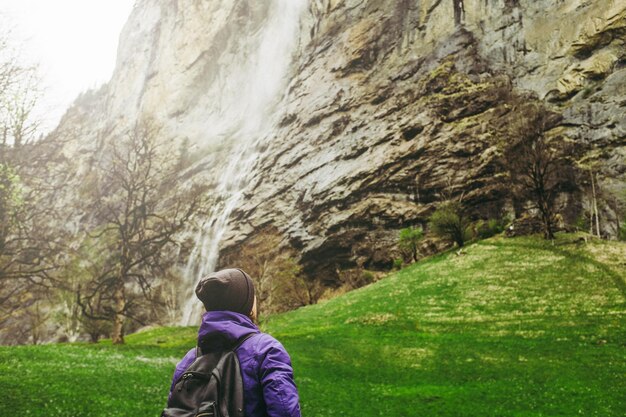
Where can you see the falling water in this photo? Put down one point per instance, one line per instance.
(263, 80)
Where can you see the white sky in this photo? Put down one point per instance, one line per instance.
(73, 41)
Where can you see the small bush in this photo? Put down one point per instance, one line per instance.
(409, 239)
(449, 223)
(397, 263)
(486, 229)
(582, 223)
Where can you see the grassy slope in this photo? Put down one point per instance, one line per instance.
(512, 328)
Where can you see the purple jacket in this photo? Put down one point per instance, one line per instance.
(269, 388)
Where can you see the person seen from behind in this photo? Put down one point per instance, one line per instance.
(230, 319)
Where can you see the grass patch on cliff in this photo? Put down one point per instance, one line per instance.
(514, 327)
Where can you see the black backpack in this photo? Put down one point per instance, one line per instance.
(212, 385)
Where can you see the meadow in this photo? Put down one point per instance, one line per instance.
(512, 327)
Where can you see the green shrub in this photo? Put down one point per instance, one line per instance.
(495, 226)
(397, 263)
(582, 222)
(409, 239)
(450, 223)
(491, 227)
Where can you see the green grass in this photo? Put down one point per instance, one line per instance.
(513, 327)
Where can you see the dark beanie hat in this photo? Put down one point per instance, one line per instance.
(228, 289)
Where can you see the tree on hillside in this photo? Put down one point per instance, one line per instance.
(279, 282)
(450, 223)
(538, 167)
(30, 246)
(292, 288)
(589, 167)
(19, 93)
(409, 239)
(138, 205)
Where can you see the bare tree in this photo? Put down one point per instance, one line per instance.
(135, 225)
(32, 237)
(19, 93)
(538, 166)
(29, 245)
(594, 205)
(292, 289)
(279, 282)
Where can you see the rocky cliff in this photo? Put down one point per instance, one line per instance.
(339, 122)
(394, 103)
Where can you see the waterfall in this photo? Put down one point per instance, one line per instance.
(245, 107)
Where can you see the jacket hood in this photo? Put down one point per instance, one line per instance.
(227, 324)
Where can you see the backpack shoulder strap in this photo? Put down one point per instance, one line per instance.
(241, 340)
(236, 346)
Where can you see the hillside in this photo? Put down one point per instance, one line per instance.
(513, 327)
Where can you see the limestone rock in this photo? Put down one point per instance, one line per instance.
(370, 112)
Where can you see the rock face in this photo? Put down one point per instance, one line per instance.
(397, 103)
(358, 116)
